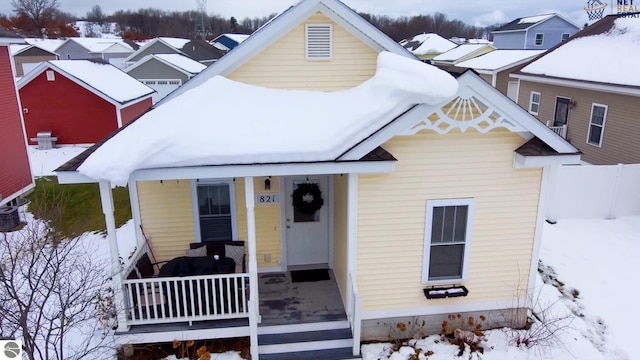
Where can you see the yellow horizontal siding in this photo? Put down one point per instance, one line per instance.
(166, 214)
(283, 63)
(392, 208)
(267, 219)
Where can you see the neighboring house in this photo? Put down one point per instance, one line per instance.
(428, 46)
(112, 50)
(495, 67)
(593, 102)
(27, 57)
(15, 174)
(50, 45)
(198, 50)
(164, 72)
(461, 53)
(201, 51)
(226, 42)
(540, 32)
(324, 144)
(80, 101)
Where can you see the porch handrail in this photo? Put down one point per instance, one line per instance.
(560, 130)
(186, 299)
(137, 254)
(354, 305)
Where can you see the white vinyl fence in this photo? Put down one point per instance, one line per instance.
(593, 191)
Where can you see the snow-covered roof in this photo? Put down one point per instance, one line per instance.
(499, 59)
(302, 126)
(534, 19)
(180, 61)
(237, 37)
(575, 59)
(17, 48)
(98, 45)
(104, 78)
(459, 52)
(50, 45)
(423, 44)
(177, 43)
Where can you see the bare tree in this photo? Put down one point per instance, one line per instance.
(96, 15)
(52, 295)
(38, 12)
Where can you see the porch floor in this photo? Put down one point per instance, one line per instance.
(283, 302)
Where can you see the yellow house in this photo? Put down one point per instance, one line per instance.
(461, 53)
(361, 187)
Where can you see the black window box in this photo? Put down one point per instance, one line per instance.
(445, 292)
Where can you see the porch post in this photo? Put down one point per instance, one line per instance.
(106, 197)
(354, 300)
(253, 265)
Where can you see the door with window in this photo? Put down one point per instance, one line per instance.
(307, 232)
(562, 111)
(215, 211)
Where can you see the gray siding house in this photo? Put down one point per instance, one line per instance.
(540, 32)
(198, 50)
(164, 72)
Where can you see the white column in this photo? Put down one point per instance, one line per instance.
(352, 259)
(106, 197)
(254, 318)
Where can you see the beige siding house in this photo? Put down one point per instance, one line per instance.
(595, 109)
(461, 53)
(27, 57)
(431, 207)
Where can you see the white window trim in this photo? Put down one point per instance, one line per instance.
(196, 210)
(531, 102)
(427, 239)
(51, 75)
(604, 122)
(306, 42)
(535, 40)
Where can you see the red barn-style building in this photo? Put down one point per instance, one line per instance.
(80, 101)
(15, 173)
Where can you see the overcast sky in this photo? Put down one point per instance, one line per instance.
(472, 12)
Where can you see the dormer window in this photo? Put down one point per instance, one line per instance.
(319, 41)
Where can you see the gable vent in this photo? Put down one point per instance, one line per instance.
(319, 41)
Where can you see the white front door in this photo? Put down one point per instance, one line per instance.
(307, 241)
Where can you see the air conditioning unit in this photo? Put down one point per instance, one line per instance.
(45, 140)
(9, 218)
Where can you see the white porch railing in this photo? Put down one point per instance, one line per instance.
(354, 304)
(186, 299)
(560, 130)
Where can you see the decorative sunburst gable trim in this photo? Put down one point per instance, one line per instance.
(468, 110)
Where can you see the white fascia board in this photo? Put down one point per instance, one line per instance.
(32, 74)
(506, 67)
(24, 190)
(577, 84)
(508, 31)
(213, 172)
(73, 177)
(400, 124)
(523, 162)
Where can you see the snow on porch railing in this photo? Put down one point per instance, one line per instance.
(186, 299)
(354, 303)
(560, 130)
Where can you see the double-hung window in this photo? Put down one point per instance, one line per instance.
(534, 103)
(539, 39)
(447, 238)
(215, 211)
(596, 124)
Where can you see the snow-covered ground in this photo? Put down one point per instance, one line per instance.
(590, 272)
(43, 162)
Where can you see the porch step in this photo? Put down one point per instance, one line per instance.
(330, 354)
(328, 340)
